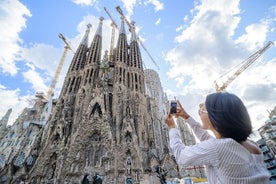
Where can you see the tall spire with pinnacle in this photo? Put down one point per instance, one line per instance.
(133, 33)
(122, 45)
(92, 63)
(121, 59)
(94, 54)
(4, 122)
(72, 79)
(135, 55)
(122, 28)
(80, 56)
(85, 38)
(135, 62)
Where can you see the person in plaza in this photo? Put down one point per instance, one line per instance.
(229, 156)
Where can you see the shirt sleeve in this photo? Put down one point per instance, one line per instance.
(200, 133)
(203, 153)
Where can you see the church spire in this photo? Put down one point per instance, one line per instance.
(122, 28)
(93, 61)
(95, 50)
(134, 53)
(99, 30)
(122, 46)
(133, 33)
(121, 59)
(85, 38)
(135, 61)
(72, 80)
(4, 122)
(5, 119)
(80, 56)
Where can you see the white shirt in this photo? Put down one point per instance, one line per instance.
(227, 161)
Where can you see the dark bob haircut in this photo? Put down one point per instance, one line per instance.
(228, 115)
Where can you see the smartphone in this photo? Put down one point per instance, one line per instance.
(173, 108)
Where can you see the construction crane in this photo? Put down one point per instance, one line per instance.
(114, 26)
(122, 14)
(131, 26)
(245, 64)
(66, 49)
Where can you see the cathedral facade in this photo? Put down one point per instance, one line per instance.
(108, 122)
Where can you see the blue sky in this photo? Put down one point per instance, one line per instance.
(193, 43)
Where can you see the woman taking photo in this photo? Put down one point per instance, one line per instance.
(230, 158)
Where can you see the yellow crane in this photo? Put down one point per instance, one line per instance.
(114, 26)
(131, 25)
(245, 64)
(66, 49)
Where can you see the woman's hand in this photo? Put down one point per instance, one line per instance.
(181, 112)
(169, 121)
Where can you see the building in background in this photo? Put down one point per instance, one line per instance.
(20, 143)
(268, 143)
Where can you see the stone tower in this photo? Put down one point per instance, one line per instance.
(104, 123)
(4, 122)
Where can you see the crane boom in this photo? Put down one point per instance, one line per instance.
(114, 26)
(148, 53)
(113, 22)
(122, 14)
(250, 60)
(131, 29)
(62, 60)
(64, 40)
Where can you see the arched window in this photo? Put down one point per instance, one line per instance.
(96, 111)
(128, 137)
(30, 160)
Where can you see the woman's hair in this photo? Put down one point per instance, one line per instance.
(229, 116)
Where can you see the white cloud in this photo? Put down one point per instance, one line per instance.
(85, 2)
(36, 80)
(179, 28)
(129, 6)
(12, 99)
(12, 21)
(39, 55)
(157, 4)
(158, 21)
(207, 47)
(255, 35)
